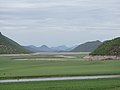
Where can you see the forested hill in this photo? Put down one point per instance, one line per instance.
(110, 47)
(8, 46)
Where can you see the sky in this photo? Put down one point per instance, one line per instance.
(59, 22)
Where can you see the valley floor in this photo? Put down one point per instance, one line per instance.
(65, 66)
(61, 65)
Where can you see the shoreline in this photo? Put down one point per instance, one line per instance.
(100, 57)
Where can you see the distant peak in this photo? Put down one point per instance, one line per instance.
(98, 41)
(44, 45)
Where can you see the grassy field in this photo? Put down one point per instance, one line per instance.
(97, 84)
(10, 68)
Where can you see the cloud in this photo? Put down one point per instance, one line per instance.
(75, 16)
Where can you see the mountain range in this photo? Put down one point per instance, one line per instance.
(8, 46)
(86, 47)
(45, 48)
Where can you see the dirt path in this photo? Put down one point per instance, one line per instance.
(59, 78)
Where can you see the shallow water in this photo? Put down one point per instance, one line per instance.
(63, 56)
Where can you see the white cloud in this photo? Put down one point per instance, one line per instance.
(61, 16)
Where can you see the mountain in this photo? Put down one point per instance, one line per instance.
(71, 48)
(31, 48)
(110, 47)
(87, 47)
(35, 49)
(60, 48)
(8, 46)
(44, 48)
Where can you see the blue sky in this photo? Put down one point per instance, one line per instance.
(59, 22)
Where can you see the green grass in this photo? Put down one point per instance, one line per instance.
(97, 84)
(10, 68)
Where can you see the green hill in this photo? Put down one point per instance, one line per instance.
(111, 47)
(8, 46)
(87, 47)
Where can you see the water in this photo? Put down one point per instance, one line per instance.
(63, 56)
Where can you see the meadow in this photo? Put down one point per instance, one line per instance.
(95, 84)
(66, 66)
